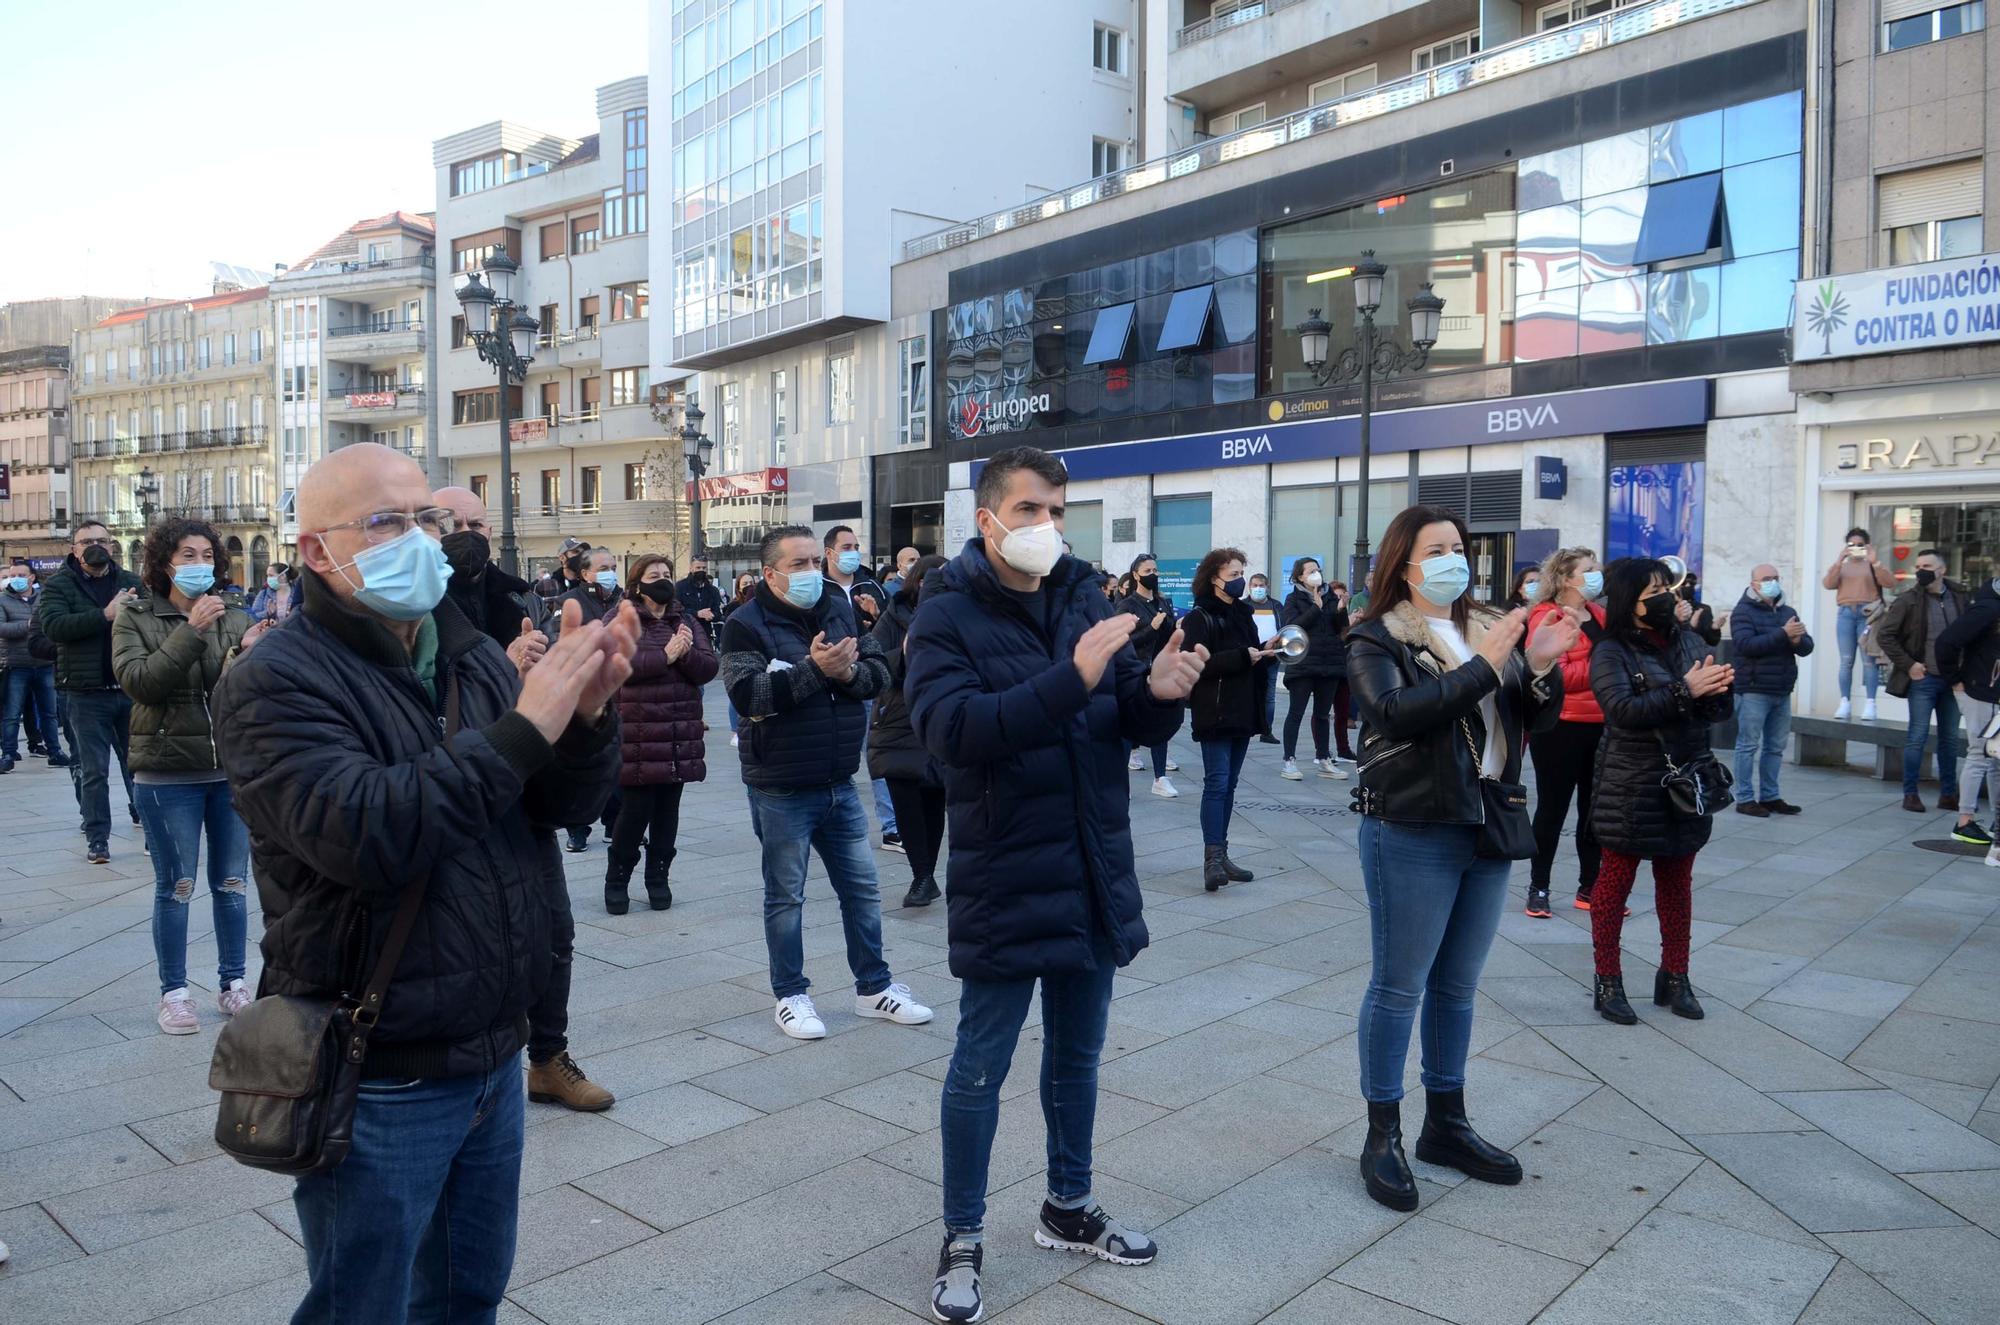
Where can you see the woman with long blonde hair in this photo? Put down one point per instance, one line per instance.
(1564, 755)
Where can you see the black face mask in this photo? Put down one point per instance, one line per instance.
(1659, 608)
(96, 557)
(1925, 578)
(698, 578)
(467, 551)
(1150, 583)
(660, 591)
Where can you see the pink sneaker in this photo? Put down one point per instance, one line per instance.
(177, 1013)
(233, 999)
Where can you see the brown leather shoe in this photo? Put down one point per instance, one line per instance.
(1915, 804)
(561, 1081)
(1948, 801)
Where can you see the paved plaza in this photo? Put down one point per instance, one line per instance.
(1824, 1148)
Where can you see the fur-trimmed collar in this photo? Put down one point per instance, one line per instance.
(1407, 626)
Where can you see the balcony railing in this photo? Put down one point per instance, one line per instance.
(1215, 23)
(378, 328)
(339, 266)
(338, 395)
(1558, 44)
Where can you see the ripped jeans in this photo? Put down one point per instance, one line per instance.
(175, 815)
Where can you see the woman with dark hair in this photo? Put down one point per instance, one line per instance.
(1227, 703)
(1315, 677)
(273, 600)
(168, 650)
(659, 711)
(1527, 589)
(1446, 696)
(744, 591)
(1565, 754)
(1661, 691)
(1695, 614)
(897, 756)
(1144, 600)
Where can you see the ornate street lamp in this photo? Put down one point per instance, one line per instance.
(505, 338)
(696, 449)
(146, 491)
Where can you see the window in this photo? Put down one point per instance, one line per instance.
(232, 487)
(1107, 49)
(551, 491)
(482, 406)
(257, 346)
(635, 480)
(549, 327)
(1343, 85)
(461, 339)
(590, 487)
(201, 353)
(1933, 213)
(1565, 12)
(913, 390)
(840, 385)
(478, 486)
(1928, 241)
(628, 386)
(472, 252)
(154, 370)
(229, 414)
(552, 240)
(586, 313)
(625, 203)
(1106, 156)
(588, 394)
(180, 356)
(110, 366)
(1187, 319)
(89, 369)
(1444, 52)
(552, 402)
(583, 234)
(257, 411)
(229, 349)
(132, 362)
(1110, 336)
(208, 416)
(781, 406)
(1683, 219)
(1247, 118)
(180, 425)
(487, 172)
(1906, 23)
(90, 429)
(628, 302)
(182, 487)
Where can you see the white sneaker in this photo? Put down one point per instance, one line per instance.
(177, 1013)
(798, 1018)
(1290, 772)
(1133, 764)
(1172, 765)
(1868, 711)
(234, 999)
(1843, 710)
(892, 1004)
(732, 740)
(1993, 855)
(1165, 787)
(5, 1253)
(1329, 769)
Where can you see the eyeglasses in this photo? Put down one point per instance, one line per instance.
(387, 526)
(97, 542)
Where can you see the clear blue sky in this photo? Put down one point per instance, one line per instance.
(140, 141)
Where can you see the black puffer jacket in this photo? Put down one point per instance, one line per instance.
(1146, 641)
(337, 755)
(1228, 701)
(1638, 679)
(1325, 625)
(1416, 764)
(893, 748)
(799, 728)
(1969, 649)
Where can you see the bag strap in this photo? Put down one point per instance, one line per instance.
(369, 1010)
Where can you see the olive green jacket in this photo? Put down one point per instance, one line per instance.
(169, 670)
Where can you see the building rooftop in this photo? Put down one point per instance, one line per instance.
(223, 300)
(347, 242)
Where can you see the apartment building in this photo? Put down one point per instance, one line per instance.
(170, 408)
(356, 350)
(590, 460)
(34, 452)
(806, 142)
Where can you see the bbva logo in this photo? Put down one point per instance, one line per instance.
(1242, 448)
(1518, 418)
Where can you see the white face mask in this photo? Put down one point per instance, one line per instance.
(1032, 549)
(1314, 579)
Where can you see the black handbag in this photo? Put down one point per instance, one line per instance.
(1695, 789)
(288, 1067)
(1505, 831)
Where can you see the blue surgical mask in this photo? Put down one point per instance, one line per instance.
(274, 580)
(607, 580)
(194, 580)
(19, 584)
(1259, 593)
(1593, 584)
(848, 562)
(1445, 578)
(402, 579)
(1771, 589)
(802, 589)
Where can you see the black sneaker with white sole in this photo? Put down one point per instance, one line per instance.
(1972, 834)
(955, 1291)
(893, 842)
(1092, 1232)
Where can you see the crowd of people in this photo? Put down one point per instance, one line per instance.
(398, 720)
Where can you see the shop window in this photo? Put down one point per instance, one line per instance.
(1187, 319)
(1180, 540)
(1083, 527)
(1110, 336)
(1683, 218)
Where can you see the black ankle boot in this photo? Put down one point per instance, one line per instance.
(1384, 1171)
(1674, 993)
(922, 892)
(617, 878)
(1236, 873)
(1609, 999)
(1213, 873)
(658, 895)
(1448, 1140)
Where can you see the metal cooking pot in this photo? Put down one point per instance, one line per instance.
(1291, 642)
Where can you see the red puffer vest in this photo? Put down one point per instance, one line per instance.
(1579, 704)
(660, 706)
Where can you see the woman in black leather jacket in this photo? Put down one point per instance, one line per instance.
(1661, 689)
(1144, 600)
(1446, 698)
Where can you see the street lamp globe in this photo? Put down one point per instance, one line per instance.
(690, 445)
(522, 328)
(707, 449)
(500, 272)
(1426, 310)
(476, 297)
(1368, 283)
(692, 419)
(1313, 334)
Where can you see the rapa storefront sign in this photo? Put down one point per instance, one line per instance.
(986, 412)
(1926, 306)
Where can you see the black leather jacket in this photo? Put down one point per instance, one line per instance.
(1415, 761)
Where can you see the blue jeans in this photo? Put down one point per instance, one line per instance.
(417, 1223)
(1926, 696)
(1221, 766)
(1853, 621)
(102, 722)
(1159, 753)
(175, 817)
(1075, 1007)
(1766, 721)
(23, 680)
(1433, 907)
(790, 822)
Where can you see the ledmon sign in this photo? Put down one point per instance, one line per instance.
(1932, 304)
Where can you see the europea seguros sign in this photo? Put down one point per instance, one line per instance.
(1924, 306)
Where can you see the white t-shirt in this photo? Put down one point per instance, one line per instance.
(1494, 762)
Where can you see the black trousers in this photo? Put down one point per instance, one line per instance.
(920, 818)
(548, 1017)
(652, 815)
(1319, 692)
(1565, 763)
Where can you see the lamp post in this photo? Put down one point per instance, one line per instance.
(1366, 361)
(696, 450)
(504, 335)
(146, 490)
